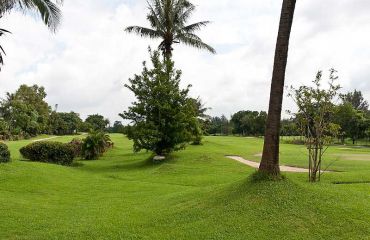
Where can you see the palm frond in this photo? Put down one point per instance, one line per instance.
(2, 51)
(144, 32)
(49, 11)
(195, 26)
(193, 42)
(154, 18)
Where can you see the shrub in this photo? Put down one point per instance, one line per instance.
(95, 144)
(4, 153)
(76, 145)
(49, 152)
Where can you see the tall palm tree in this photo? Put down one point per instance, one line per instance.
(168, 19)
(270, 157)
(48, 10)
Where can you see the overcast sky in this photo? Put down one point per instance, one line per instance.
(85, 65)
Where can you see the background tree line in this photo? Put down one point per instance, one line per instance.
(351, 114)
(25, 113)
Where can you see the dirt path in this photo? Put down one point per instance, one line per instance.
(256, 165)
(44, 139)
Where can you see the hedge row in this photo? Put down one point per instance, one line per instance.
(49, 152)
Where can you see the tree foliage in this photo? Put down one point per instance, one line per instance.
(62, 123)
(249, 123)
(163, 118)
(26, 111)
(356, 99)
(97, 122)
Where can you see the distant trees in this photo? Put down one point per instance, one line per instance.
(168, 20)
(218, 126)
(356, 99)
(353, 123)
(249, 123)
(62, 123)
(96, 122)
(117, 127)
(163, 117)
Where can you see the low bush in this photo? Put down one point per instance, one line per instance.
(4, 153)
(49, 152)
(76, 145)
(95, 144)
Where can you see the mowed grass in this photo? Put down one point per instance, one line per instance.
(197, 194)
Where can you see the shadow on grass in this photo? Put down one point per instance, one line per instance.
(126, 162)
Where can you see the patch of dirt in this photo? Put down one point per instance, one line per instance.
(353, 157)
(256, 165)
(44, 139)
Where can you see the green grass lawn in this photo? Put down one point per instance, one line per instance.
(197, 194)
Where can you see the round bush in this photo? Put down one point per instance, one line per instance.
(49, 152)
(4, 153)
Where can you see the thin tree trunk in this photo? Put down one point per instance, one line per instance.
(270, 157)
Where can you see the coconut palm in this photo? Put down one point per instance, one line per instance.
(270, 158)
(168, 20)
(48, 10)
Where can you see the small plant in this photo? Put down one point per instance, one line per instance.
(4, 153)
(95, 144)
(49, 152)
(315, 116)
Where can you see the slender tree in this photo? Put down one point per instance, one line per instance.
(270, 158)
(168, 20)
(48, 10)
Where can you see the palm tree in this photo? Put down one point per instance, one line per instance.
(270, 157)
(168, 20)
(49, 11)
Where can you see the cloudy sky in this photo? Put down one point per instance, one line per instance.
(85, 65)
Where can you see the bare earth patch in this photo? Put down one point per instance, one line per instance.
(44, 139)
(256, 165)
(353, 157)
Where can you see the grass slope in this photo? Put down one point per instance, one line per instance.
(197, 194)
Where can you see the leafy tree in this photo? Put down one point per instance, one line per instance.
(48, 10)
(353, 123)
(289, 128)
(356, 100)
(315, 114)
(64, 123)
(270, 157)
(26, 110)
(117, 127)
(97, 122)
(168, 21)
(163, 117)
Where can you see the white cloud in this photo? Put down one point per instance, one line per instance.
(85, 65)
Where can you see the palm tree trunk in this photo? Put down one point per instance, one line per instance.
(270, 157)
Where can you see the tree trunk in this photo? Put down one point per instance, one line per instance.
(270, 157)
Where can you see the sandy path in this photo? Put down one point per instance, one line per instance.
(44, 139)
(256, 165)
